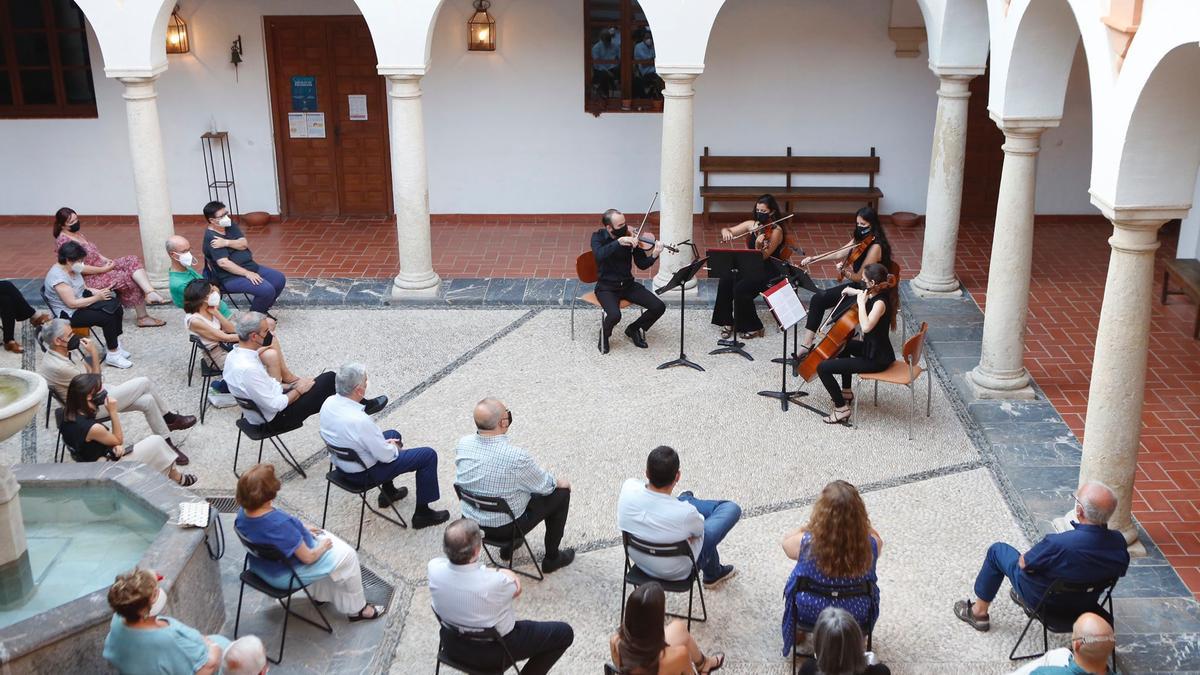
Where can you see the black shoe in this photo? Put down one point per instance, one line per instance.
(180, 458)
(374, 405)
(636, 336)
(602, 345)
(385, 499)
(727, 572)
(565, 557)
(505, 553)
(428, 519)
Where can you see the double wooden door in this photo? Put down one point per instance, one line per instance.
(330, 111)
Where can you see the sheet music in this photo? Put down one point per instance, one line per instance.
(785, 304)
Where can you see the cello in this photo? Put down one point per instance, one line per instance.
(845, 321)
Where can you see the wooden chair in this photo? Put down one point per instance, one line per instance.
(904, 372)
(586, 272)
(894, 270)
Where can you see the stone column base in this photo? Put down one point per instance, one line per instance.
(424, 288)
(925, 289)
(1135, 547)
(989, 386)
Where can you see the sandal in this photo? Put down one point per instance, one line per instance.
(150, 322)
(726, 332)
(719, 657)
(750, 335)
(838, 416)
(188, 480)
(962, 609)
(848, 395)
(159, 301)
(379, 611)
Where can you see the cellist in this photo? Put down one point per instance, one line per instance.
(850, 270)
(873, 353)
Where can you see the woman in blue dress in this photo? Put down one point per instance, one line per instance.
(837, 548)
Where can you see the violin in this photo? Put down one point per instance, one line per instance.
(839, 333)
(859, 250)
(646, 242)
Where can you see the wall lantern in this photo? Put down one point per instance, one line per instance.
(481, 29)
(177, 34)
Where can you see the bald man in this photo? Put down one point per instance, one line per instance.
(1092, 644)
(183, 271)
(1088, 553)
(488, 464)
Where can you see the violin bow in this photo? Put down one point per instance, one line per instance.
(761, 227)
(827, 254)
(646, 217)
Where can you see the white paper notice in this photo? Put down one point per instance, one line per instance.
(785, 304)
(315, 124)
(297, 126)
(358, 107)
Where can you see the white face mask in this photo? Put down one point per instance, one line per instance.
(77, 268)
(160, 602)
(186, 259)
(225, 221)
(214, 299)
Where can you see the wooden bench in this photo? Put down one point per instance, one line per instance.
(789, 165)
(1187, 274)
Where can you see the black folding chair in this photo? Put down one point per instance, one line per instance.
(1057, 616)
(519, 536)
(635, 576)
(832, 592)
(261, 433)
(92, 329)
(281, 595)
(210, 273)
(60, 445)
(480, 636)
(208, 370)
(51, 394)
(336, 477)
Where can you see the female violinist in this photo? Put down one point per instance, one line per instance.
(873, 353)
(770, 241)
(867, 227)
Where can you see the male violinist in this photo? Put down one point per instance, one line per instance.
(614, 247)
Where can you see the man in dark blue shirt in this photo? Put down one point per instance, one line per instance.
(228, 257)
(615, 248)
(1091, 552)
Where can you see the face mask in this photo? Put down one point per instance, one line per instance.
(77, 268)
(620, 232)
(99, 398)
(510, 418)
(186, 259)
(268, 339)
(225, 221)
(214, 299)
(861, 232)
(762, 217)
(160, 602)
(73, 227)
(73, 343)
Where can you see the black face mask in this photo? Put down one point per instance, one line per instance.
(73, 343)
(99, 398)
(510, 418)
(268, 339)
(861, 233)
(73, 227)
(762, 217)
(618, 233)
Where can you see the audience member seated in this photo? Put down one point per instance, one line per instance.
(183, 271)
(202, 319)
(642, 646)
(14, 308)
(138, 394)
(143, 642)
(1091, 647)
(344, 424)
(125, 276)
(321, 559)
(70, 298)
(93, 441)
(466, 593)
(1090, 552)
(488, 464)
(838, 548)
(226, 246)
(246, 656)
(838, 645)
(647, 510)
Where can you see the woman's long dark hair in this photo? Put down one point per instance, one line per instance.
(891, 297)
(868, 214)
(60, 219)
(78, 393)
(642, 638)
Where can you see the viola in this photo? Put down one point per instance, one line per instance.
(839, 333)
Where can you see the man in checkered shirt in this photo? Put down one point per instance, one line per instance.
(489, 465)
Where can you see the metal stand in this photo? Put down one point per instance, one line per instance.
(225, 180)
(783, 394)
(683, 359)
(733, 345)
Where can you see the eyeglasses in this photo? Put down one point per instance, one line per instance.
(1077, 501)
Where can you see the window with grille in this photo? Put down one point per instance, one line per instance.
(45, 70)
(619, 59)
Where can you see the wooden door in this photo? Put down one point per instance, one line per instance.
(984, 157)
(347, 172)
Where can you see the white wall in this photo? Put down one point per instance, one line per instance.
(1189, 232)
(507, 132)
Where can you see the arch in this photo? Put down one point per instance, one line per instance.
(402, 33)
(958, 35)
(132, 34)
(681, 32)
(1160, 154)
(1038, 62)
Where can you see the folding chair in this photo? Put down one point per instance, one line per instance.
(481, 636)
(208, 371)
(261, 433)
(281, 595)
(585, 270)
(635, 576)
(210, 267)
(904, 372)
(81, 331)
(1057, 617)
(60, 445)
(519, 536)
(833, 593)
(51, 394)
(336, 477)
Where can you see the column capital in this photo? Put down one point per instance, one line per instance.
(404, 86)
(1135, 235)
(1133, 213)
(678, 85)
(139, 88)
(390, 71)
(1022, 137)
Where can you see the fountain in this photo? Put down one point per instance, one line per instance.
(20, 393)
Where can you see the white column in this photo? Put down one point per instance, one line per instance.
(410, 190)
(1113, 427)
(943, 203)
(677, 172)
(155, 222)
(1001, 371)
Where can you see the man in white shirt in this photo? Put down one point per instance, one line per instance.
(468, 594)
(344, 424)
(647, 511)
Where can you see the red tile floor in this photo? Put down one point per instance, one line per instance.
(1064, 309)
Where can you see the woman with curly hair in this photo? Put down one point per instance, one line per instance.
(837, 548)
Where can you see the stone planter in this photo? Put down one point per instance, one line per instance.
(256, 218)
(905, 219)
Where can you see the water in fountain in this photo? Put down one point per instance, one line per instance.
(10, 389)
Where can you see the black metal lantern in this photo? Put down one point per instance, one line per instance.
(177, 34)
(481, 29)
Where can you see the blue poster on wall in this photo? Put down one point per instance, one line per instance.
(304, 93)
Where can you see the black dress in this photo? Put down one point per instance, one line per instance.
(75, 433)
(872, 354)
(823, 301)
(738, 300)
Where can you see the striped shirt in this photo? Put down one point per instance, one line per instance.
(490, 466)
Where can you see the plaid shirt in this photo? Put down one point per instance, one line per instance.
(490, 466)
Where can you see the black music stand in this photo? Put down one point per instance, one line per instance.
(783, 394)
(743, 264)
(682, 276)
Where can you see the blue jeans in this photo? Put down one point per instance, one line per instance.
(423, 461)
(262, 295)
(719, 518)
(1001, 561)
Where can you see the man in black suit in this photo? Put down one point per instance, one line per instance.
(615, 247)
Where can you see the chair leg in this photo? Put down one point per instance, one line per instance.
(287, 612)
(928, 393)
(284, 452)
(399, 520)
(572, 317)
(691, 592)
(192, 364)
(1012, 655)
(876, 393)
(237, 621)
(528, 549)
(912, 407)
(260, 449)
(236, 449)
(362, 511)
(325, 511)
(47, 411)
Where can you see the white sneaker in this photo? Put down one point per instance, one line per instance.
(115, 360)
(219, 400)
(124, 353)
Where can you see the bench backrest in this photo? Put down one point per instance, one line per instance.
(788, 164)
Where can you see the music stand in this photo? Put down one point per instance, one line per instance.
(788, 311)
(682, 276)
(799, 279)
(743, 264)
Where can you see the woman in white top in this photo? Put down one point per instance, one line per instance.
(70, 298)
(201, 302)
